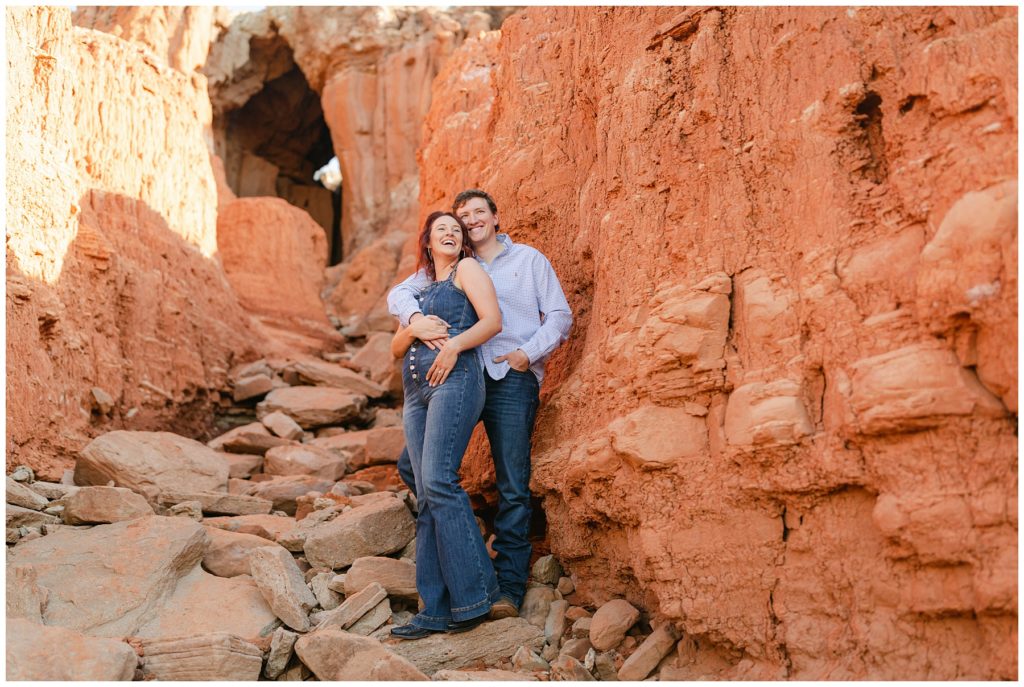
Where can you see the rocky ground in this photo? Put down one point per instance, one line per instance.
(283, 549)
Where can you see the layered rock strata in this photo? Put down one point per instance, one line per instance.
(786, 416)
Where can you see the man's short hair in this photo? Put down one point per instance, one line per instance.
(471, 193)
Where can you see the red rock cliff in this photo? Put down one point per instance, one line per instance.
(786, 417)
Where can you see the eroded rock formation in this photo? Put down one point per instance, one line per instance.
(786, 418)
(112, 279)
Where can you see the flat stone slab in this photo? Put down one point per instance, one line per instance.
(101, 505)
(487, 644)
(322, 373)
(252, 439)
(313, 406)
(215, 656)
(366, 447)
(217, 503)
(282, 585)
(305, 460)
(396, 576)
(282, 491)
(353, 608)
(149, 463)
(228, 553)
(380, 527)
(267, 526)
(20, 495)
(38, 652)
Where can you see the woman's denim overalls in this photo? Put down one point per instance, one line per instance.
(454, 575)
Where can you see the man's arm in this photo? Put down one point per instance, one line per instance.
(557, 317)
(402, 301)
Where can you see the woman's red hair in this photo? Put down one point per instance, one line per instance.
(424, 262)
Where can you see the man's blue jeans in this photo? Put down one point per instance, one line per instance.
(454, 576)
(508, 415)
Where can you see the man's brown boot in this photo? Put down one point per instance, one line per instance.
(503, 608)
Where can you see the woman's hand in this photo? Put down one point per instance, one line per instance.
(430, 329)
(445, 361)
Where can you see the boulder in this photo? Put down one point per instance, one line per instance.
(228, 553)
(536, 604)
(609, 625)
(398, 577)
(204, 603)
(282, 491)
(647, 656)
(219, 504)
(282, 425)
(487, 644)
(338, 655)
(31, 649)
(151, 462)
(110, 579)
(376, 446)
(252, 439)
(213, 656)
(565, 586)
(322, 373)
(547, 570)
(313, 406)
(93, 505)
(251, 387)
(305, 460)
(283, 586)
(20, 495)
(381, 527)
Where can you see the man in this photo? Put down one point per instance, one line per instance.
(535, 321)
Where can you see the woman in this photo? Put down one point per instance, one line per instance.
(444, 395)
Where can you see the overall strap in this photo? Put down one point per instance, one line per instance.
(451, 275)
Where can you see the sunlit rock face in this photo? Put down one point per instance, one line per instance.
(112, 272)
(786, 415)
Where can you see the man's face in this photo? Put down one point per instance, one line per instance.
(477, 216)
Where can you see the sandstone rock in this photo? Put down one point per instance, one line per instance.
(487, 644)
(767, 414)
(25, 598)
(282, 491)
(565, 586)
(609, 625)
(305, 460)
(93, 505)
(491, 675)
(265, 526)
(546, 570)
(647, 656)
(381, 527)
(203, 603)
(252, 438)
(396, 576)
(321, 373)
(30, 654)
(313, 406)
(387, 417)
(51, 490)
(151, 462)
(282, 425)
(241, 465)
(255, 386)
(282, 585)
(554, 624)
(376, 446)
(193, 510)
(75, 567)
(219, 504)
(337, 655)
(228, 552)
(215, 656)
(375, 359)
(605, 666)
(567, 668)
(23, 496)
(581, 627)
(536, 604)
(281, 646)
(256, 367)
(372, 620)
(102, 402)
(325, 596)
(656, 437)
(577, 648)
(354, 607)
(525, 659)
(16, 516)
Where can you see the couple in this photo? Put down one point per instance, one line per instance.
(478, 319)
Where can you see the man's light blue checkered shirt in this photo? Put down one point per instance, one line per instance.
(535, 316)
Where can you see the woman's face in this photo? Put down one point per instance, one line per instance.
(446, 238)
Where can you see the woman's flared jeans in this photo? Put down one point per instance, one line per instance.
(454, 575)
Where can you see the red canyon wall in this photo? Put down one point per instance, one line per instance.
(786, 417)
(112, 276)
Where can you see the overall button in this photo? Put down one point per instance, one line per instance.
(412, 367)
(414, 375)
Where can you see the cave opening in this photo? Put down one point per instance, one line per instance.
(274, 143)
